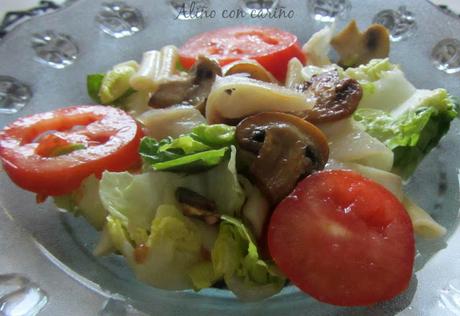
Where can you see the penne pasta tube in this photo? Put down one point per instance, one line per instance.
(156, 67)
(294, 73)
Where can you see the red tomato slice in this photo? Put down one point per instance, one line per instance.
(51, 153)
(271, 47)
(343, 239)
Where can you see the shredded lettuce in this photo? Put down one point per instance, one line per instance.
(171, 253)
(371, 71)
(220, 184)
(206, 146)
(141, 212)
(203, 275)
(456, 101)
(384, 85)
(235, 257)
(407, 120)
(84, 201)
(119, 238)
(412, 130)
(136, 103)
(114, 85)
(134, 198)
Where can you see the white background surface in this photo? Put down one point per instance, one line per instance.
(14, 5)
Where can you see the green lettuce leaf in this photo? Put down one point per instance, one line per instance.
(413, 129)
(235, 257)
(93, 85)
(206, 146)
(217, 135)
(407, 120)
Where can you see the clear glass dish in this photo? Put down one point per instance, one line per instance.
(67, 242)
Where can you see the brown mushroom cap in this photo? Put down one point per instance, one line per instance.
(284, 147)
(188, 88)
(335, 98)
(250, 67)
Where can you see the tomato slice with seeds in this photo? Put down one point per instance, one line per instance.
(271, 47)
(343, 239)
(51, 153)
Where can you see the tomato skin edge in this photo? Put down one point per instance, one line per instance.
(23, 179)
(275, 61)
(387, 291)
(52, 182)
(278, 70)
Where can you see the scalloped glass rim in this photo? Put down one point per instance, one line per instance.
(55, 234)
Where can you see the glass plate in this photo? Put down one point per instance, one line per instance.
(67, 242)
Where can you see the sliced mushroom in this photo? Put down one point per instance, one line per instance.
(196, 205)
(285, 148)
(234, 98)
(172, 92)
(356, 48)
(189, 89)
(250, 67)
(335, 98)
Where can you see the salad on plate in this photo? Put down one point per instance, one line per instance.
(243, 160)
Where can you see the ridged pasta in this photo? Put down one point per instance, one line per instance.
(294, 73)
(156, 67)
